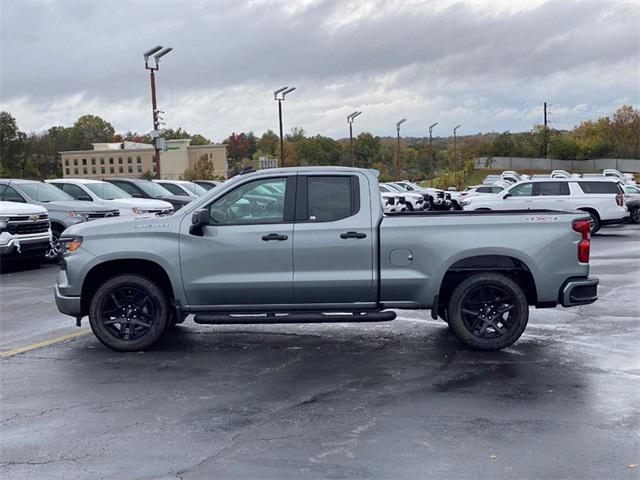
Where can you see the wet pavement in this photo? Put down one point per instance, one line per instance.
(395, 400)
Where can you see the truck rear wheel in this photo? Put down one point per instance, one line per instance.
(488, 311)
(129, 313)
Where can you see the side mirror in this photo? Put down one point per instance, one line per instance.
(198, 220)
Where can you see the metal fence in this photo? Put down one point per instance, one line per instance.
(523, 163)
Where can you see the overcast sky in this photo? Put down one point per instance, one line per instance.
(488, 66)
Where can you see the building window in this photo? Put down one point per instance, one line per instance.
(110, 169)
(66, 162)
(93, 170)
(93, 161)
(75, 171)
(111, 161)
(138, 159)
(84, 161)
(120, 160)
(130, 169)
(102, 161)
(102, 170)
(139, 168)
(66, 171)
(129, 160)
(84, 170)
(75, 162)
(120, 170)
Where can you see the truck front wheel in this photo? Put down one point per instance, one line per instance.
(488, 311)
(129, 313)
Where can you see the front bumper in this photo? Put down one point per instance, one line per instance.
(67, 305)
(25, 243)
(579, 291)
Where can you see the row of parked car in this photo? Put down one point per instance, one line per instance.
(609, 197)
(33, 214)
(407, 196)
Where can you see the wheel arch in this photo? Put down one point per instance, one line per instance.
(512, 266)
(105, 270)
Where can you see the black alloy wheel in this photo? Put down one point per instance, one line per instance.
(129, 312)
(635, 215)
(488, 311)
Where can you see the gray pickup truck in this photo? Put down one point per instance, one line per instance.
(311, 244)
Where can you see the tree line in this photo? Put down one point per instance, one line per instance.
(35, 154)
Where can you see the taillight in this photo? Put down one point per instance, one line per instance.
(619, 199)
(583, 227)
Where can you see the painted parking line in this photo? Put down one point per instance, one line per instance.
(46, 343)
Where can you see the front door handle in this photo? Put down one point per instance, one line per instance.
(353, 235)
(274, 236)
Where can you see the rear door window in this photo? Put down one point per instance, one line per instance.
(552, 188)
(328, 198)
(523, 190)
(176, 190)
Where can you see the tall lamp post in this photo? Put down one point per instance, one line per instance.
(157, 53)
(455, 150)
(279, 95)
(431, 151)
(398, 144)
(350, 120)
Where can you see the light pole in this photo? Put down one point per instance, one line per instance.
(279, 96)
(157, 53)
(350, 120)
(455, 156)
(431, 152)
(398, 145)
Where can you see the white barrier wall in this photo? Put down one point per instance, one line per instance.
(593, 165)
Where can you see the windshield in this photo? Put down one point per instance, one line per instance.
(154, 190)
(394, 188)
(194, 188)
(44, 192)
(107, 191)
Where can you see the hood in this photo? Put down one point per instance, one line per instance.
(75, 205)
(145, 203)
(15, 208)
(121, 227)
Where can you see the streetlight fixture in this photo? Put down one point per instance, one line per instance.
(350, 120)
(398, 146)
(158, 52)
(431, 151)
(455, 156)
(279, 95)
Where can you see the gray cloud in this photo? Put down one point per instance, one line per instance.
(487, 66)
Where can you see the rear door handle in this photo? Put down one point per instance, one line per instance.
(353, 235)
(274, 236)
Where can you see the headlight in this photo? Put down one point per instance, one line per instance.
(139, 211)
(465, 202)
(71, 244)
(78, 215)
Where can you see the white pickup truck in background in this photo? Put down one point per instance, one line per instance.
(25, 231)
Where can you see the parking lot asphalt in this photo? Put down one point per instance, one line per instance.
(401, 399)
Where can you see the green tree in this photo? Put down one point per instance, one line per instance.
(366, 149)
(12, 144)
(269, 143)
(318, 150)
(90, 129)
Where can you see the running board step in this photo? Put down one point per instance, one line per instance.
(302, 317)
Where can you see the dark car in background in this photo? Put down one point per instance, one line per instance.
(140, 188)
(207, 184)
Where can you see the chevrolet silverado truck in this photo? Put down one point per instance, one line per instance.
(312, 244)
(25, 231)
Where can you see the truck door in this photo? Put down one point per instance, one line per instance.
(243, 256)
(333, 240)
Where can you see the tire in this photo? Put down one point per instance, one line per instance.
(409, 207)
(596, 223)
(138, 301)
(488, 311)
(635, 215)
(54, 252)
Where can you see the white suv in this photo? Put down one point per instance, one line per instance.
(601, 198)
